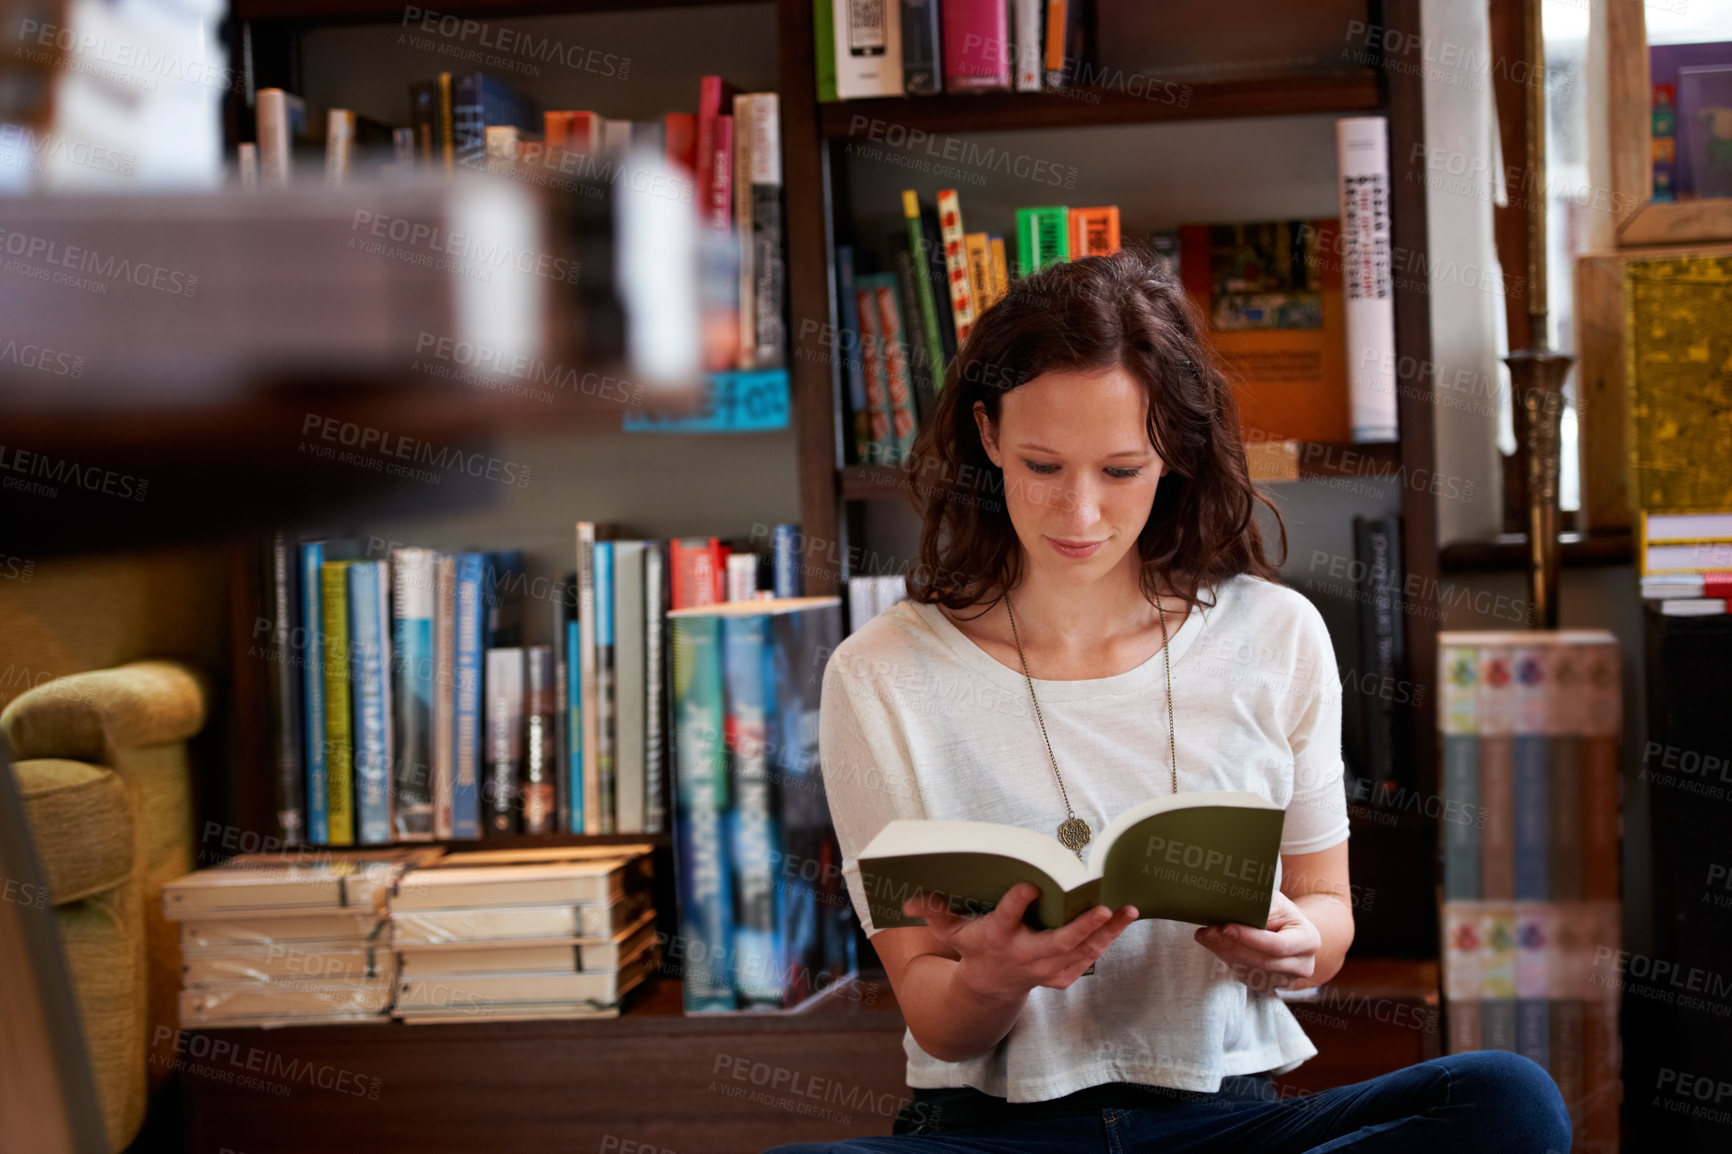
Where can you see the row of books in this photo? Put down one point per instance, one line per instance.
(407, 705)
(414, 934)
(729, 149)
(925, 47)
(1541, 979)
(1685, 560)
(765, 921)
(1284, 301)
(1529, 725)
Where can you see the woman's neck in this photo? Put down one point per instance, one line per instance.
(1059, 615)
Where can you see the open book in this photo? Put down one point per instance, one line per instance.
(1205, 857)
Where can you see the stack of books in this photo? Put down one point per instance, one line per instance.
(765, 920)
(1686, 562)
(272, 939)
(1529, 820)
(543, 933)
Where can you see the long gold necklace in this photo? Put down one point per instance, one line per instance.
(1073, 831)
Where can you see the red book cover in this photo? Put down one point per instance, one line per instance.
(698, 575)
(681, 130)
(976, 45)
(718, 571)
(556, 128)
(714, 96)
(719, 208)
(586, 131)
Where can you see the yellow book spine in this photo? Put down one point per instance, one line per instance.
(339, 738)
(1000, 269)
(979, 269)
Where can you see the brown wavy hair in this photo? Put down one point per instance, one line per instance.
(1087, 315)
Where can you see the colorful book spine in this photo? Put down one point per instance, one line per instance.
(370, 627)
(1057, 21)
(824, 48)
(1042, 238)
(312, 617)
(291, 654)
(919, 361)
(1565, 697)
(924, 297)
(868, 48)
(479, 100)
(413, 588)
(339, 732)
(701, 786)
(443, 711)
(1461, 776)
(882, 449)
(607, 721)
(575, 805)
(466, 718)
(853, 362)
(785, 560)
(503, 691)
(977, 253)
(715, 101)
(1462, 980)
(563, 605)
(756, 950)
(898, 382)
(1533, 963)
(1530, 760)
(1094, 231)
(977, 52)
(1362, 152)
(1029, 43)
(629, 697)
(1000, 268)
(956, 262)
(769, 268)
(1602, 711)
(922, 71)
(1498, 976)
(590, 712)
(1497, 771)
(655, 583)
(539, 789)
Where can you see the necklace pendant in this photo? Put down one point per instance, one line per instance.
(1074, 833)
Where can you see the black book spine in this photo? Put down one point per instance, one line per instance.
(539, 805)
(1377, 548)
(922, 74)
(920, 366)
(939, 275)
(284, 673)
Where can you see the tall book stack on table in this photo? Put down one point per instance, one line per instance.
(1529, 821)
(276, 940)
(518, 934)
(765, 922)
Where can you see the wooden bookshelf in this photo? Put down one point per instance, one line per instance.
(1343, 93)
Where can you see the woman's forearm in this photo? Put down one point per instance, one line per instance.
(1334, 921)
(950, 1019)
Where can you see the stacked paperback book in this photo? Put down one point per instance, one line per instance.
(299, 939)
(541, 933)
(1530, 724)
(276, 940)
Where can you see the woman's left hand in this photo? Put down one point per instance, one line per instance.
(1282, 955)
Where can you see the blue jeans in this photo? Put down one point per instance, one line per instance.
(1488, 1102)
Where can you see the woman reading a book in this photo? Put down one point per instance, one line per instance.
(1093, 624)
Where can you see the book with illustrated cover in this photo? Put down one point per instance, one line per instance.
(338, 738)
(412, 691)
(370, 692)
(1207, 857)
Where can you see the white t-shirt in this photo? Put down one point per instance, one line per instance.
(917, 721)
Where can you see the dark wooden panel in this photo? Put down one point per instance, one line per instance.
(377, 12)
(1510, 551)
(1345, 92)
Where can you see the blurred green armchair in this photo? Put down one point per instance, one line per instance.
(101, 762)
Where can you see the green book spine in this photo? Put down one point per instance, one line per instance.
(339, 738)
(824, 42)
(1042, 238)
(923, 289)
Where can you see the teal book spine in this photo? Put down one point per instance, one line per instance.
(753, 836)
(701, 865)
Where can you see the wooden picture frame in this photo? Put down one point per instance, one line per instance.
(1643, 221)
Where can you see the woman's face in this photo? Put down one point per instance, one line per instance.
(1079, 471)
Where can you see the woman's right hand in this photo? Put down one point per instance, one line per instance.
(1002, 959)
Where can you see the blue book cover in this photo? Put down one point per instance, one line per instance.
(1530, 764)
(370, 689)
(701, 814)
(785, 561)
(607, 733)
(466, 717)
(313, 555)
(574, 729)
(818, 915)
(412, 584)
(478, 100)
(1461, 842)
(753, 837)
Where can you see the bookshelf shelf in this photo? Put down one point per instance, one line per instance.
(1344, 93)
(520, 841)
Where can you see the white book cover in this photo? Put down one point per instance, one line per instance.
(1030, 15)
(279, 114)
(1367, 249)
(868, 48)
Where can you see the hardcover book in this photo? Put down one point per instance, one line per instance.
(1207, 857)
(412, 691)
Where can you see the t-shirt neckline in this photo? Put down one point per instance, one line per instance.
(1134, 680)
